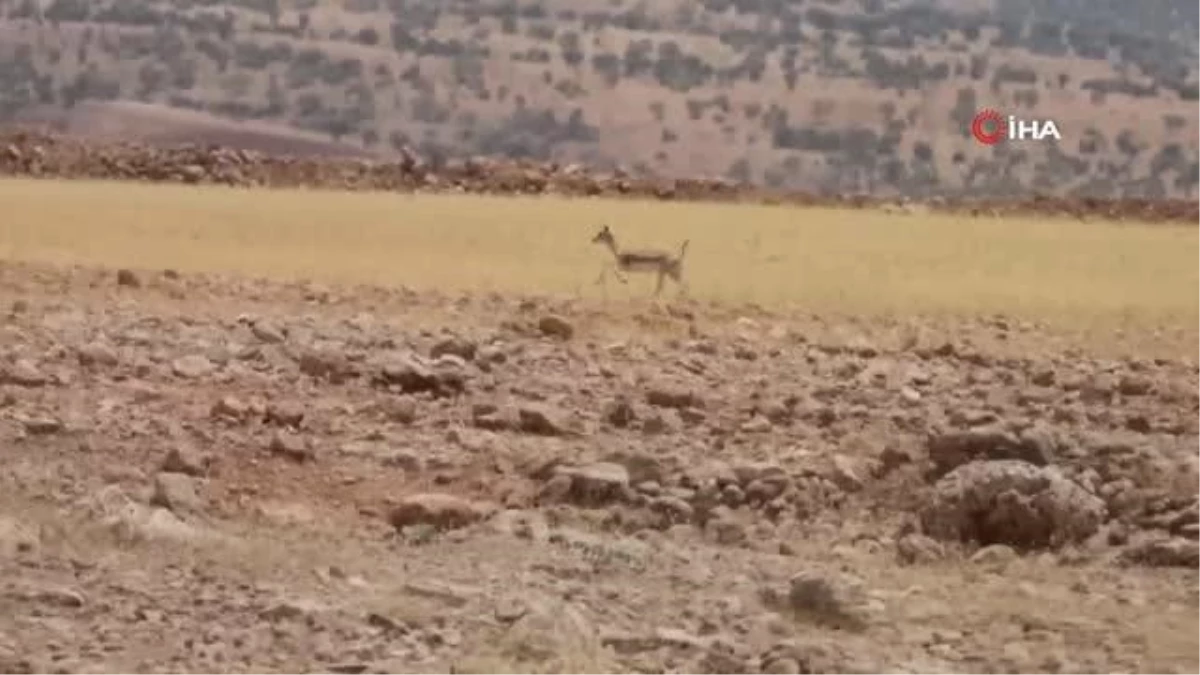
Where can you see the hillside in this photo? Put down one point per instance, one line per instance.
(870, 96)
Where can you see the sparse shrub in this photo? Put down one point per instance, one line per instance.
(979, 66)
(215, 51)
(427, 109)
(739, 171)
(570, 89)
(639, 58)
(152, 78)
(542, 32)
(1026, 97)
(277, 98)
(529, 133)
(26, 9)
(572, 52)
(1127, 143)
(67, 10)
(679, 71)
(367, 36)
(608, 65)
(964, 110)
(402, 39)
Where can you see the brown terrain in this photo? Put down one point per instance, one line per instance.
(210, 474)
(218, 474)
(833, 97)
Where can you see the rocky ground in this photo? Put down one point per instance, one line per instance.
(206, 474)
(25, 153)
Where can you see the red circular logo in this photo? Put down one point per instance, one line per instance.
(989, 127)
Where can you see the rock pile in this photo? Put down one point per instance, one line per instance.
(39, 154)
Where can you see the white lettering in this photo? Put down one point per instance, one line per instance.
(1049, 129)
(1026, 129)
(1037, 130)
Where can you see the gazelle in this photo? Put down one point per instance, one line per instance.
(656, 261)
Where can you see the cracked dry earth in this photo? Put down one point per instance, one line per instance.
(218, 475)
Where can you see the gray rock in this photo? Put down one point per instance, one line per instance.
(1011, 502)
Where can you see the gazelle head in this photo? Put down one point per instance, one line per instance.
(604, 236)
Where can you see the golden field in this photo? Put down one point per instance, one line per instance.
(842, 261)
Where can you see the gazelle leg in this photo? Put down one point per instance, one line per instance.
(659, 285)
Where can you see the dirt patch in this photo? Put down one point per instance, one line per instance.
(164, 126)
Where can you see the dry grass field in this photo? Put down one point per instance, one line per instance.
(845, 262)
(225, 470)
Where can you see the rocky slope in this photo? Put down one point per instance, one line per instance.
(841, 96)
(226, 475)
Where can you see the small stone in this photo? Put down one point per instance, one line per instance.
(284, 414)
(509, 610)
(597, 483)
(995, 555)
(442, 511)
(42, 426)
(176, 492)
(292, 447)
(556, 327)
(97, 354)
(128, 279)
(836, 602)
(916, 548)
(845, 474)
(401, 409)
(185, 461)
(542, 421)
(192, 366)
(782, 666)
(23, 373)
(230, 408)
(619, 413)
(267, 332)
(456, 346)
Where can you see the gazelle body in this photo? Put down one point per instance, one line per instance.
(643, 261)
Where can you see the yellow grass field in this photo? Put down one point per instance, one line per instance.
(841, 261)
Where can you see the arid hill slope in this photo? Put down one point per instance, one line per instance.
(870, 96)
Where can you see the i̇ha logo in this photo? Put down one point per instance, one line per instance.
(990, 127)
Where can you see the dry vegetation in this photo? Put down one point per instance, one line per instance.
(821, 260)
(870, 96)
(269, 431)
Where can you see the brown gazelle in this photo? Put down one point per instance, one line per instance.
(654, 261)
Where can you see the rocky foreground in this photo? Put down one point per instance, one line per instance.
(207, 474)
(44, 155)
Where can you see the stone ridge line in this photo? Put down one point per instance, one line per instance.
(38, 154)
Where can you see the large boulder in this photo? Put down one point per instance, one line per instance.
(1011, 502)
